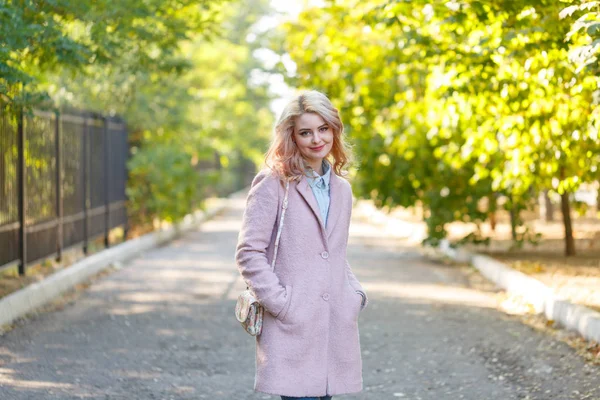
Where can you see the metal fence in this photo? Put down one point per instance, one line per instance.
(62, 183)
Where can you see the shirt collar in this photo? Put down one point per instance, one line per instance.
(321, 182)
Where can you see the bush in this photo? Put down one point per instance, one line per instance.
(163, 184)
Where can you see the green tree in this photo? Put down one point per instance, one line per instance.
(453, 105)
(42, 36)
(177, 71)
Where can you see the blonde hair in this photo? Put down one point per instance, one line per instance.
(284, 158)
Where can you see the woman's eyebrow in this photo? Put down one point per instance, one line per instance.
(308, 129)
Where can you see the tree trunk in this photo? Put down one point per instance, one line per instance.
(513, 222)
(492, 211)
(4, 200)
(493, 221)
(3, 187)
(549, 207)
(598, 198)
(566, 213)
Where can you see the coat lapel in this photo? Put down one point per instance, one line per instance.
(335, 201)
(304, 189)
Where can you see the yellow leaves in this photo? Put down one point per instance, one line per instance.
(554, 127)
(358, 111)
(224, 160)
(557, 154)
(516, 162)
(450, 108)
(535, 107)
(384, 160)
(514, 304)
(544, 75)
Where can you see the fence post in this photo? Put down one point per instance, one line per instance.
(124, 138)
(21, 177)
(106, 182)
(84, 161)
(59, 187)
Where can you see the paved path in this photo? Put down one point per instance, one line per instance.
(163, 328)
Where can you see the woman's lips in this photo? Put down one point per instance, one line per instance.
(317, 148)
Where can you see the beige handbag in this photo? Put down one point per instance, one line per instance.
(248, 311)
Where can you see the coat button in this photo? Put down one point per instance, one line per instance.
(325, 254)
(326, 296)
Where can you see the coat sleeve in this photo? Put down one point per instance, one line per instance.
(351, 277)
(356, 285)
(258, 223)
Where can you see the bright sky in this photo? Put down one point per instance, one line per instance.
(288, 9)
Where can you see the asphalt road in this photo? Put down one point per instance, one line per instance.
(162, 327)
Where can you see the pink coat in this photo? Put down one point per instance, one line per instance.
(309, 344)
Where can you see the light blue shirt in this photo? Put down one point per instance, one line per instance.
(320, 188)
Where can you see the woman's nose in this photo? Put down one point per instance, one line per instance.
(316, 138)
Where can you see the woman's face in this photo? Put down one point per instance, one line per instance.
(314, 138)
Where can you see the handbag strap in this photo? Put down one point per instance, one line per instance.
(283, 207)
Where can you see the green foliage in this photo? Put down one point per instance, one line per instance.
(209, 118)
(584, 33)
(42, 36)
(165, 184)
(449, 104)
(176, 71)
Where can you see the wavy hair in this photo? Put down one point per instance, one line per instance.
(284, 158)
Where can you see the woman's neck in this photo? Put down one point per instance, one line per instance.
(317, 166)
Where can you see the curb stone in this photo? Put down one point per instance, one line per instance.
(574, 317)
(28, 299)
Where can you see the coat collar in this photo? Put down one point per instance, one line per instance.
(314, 178)
(335, 195)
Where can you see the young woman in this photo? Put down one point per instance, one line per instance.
(309, 346)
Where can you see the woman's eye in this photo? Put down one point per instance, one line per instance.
(324, 128)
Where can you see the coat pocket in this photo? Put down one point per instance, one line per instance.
(296, 311)
(288, 302)
(354, 302)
